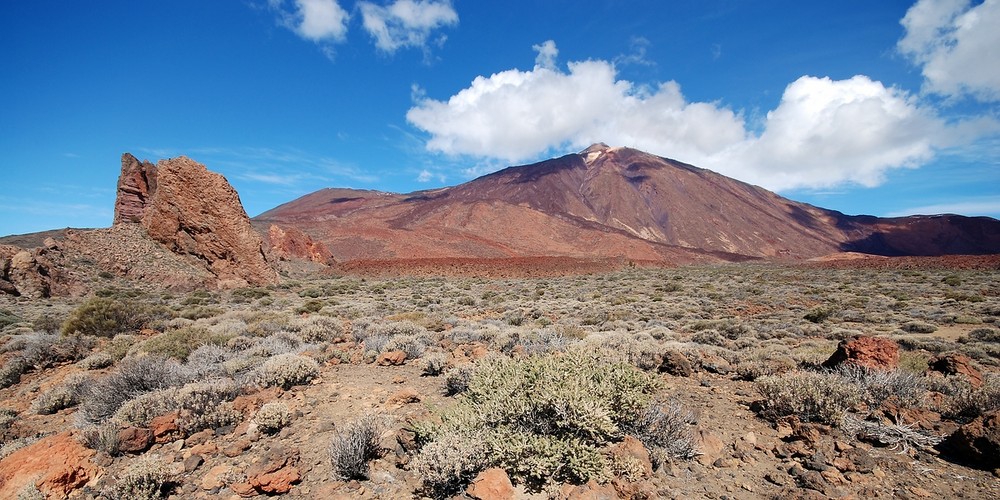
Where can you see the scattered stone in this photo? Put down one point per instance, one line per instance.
(491, 484)
(709, 445)
(193, 462)
(676, 363)
(276, 472)
(590, 491)
(871, 352)
(165, 428)
(214, 479)
(391, 358)
(236, 448)
(402, 398)
(135, 439)
(632, 449)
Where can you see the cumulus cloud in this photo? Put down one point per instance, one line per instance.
(955, 44)
(406, 23)
(319, 21)
(822, 133)
(988, 206)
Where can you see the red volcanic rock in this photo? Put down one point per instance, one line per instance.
(391, 358)
(978, 442)
(24, 272)
(275, 473)
(632, 449)
(491, 484)
(135, 439)
(165, 428)
(870, 352)
(290, 242)
(56, 465)
(193, 212)
(956, 364)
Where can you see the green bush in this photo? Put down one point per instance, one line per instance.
(180, 343)
(107, 317)
(541, 418)
(8, 318)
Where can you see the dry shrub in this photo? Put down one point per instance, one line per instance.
(812, 397)
(355, 445)
(287, 370)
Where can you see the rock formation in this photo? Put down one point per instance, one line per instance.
(24, 272)
(292, 243)
(193, 212)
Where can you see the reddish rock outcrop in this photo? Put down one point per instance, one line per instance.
(956, 364)
(491, 484)
(56, 465)
(870, 352)
(193, 212)
(977, 442)
(291, 243)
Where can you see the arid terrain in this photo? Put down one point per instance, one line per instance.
(572, 329)
(732, 354)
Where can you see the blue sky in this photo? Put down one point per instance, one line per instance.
(882, 108)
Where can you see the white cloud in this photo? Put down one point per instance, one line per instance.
(547, 54)
(406, 23)
(955, 44)
(823, 132)
(425, 176)
(989, 206)
(321, 21)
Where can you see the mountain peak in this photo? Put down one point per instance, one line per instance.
(595, 151)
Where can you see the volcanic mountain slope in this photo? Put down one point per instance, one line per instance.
(609, 202)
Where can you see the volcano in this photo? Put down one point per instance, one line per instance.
(610, 202)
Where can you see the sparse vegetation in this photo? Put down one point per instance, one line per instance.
(355, 445)
(107, 317)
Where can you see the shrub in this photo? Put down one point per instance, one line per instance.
(435, 365)
(62, 396)
(134, 377)
(201, 405)
(144, 479)
(272, 417)
(664, 428)
(180, 342)
(352, 447)
(449, 462)
(7, 417)
(456, 380)
(43, 350)
(879, 385)
(317, 328)
(813, 397)
(8, 318)
(918, 327)
(287, 370)
(103, 437)
(413, 345)
(818, 315)
(107, 317)
(985, 335)
(96, 361)
(544, 417)
(11, 371)
(966, 403)
(892, 435)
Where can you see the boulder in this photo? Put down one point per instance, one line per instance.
(391, 358)
(956, 364)
(871, 352)
(56, 465)
(196, 213)
(135, 439)
(275, 473)
(977, 442)
(631, 449)
(491, 484)
(24, 273)
(676, 363)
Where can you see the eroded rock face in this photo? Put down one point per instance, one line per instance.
(24, 272)
(56, 465)
(289, 242)
(978, 442)
(870, 352)
(193, 212)
(956, 364)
